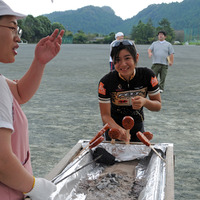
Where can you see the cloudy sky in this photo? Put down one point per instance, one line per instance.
(124, 9)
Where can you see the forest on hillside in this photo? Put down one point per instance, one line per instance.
(102, 20)
(99, 24)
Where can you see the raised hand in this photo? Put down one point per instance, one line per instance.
(48, 47)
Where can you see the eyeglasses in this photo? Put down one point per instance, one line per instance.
(122, 42)
(17, 31)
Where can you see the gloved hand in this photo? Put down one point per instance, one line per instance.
(42, 189)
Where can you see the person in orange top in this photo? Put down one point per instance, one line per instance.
(16, 179)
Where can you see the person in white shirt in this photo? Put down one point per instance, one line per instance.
(118, 36)
(16, 176)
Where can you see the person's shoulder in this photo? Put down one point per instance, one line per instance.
(168, 43)
(4, 88)
(2, 79)
(112, 42)
(144, 70)
(109, 75)
(155, 42)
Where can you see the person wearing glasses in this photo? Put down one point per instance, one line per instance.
(16, 177)
(124, 92)
(162, 54)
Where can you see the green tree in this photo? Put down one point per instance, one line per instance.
(46, 27)
(21, 25)
(80, 37)
(33, 30)
(92, 36)
(57, 25)
(36, 28)
(67, 37)
(68, 33)
(145, 33)
(108, 39)
(150, 31)
(140, 33)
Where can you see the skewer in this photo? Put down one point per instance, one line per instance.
(128, 123)
(157, 153)
(78, 169)
(92, 145)
(145, 141)
(94, 140)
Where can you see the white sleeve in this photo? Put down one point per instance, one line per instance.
(6, 101)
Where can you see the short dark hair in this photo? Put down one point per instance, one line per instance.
(130, 48)
(163, 32)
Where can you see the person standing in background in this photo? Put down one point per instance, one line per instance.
(118, 36)
(162, 54)
(16, 177)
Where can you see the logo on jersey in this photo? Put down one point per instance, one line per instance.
(154, 81)
(123, 98)
(102, 90)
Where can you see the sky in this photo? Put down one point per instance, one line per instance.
(124, 8)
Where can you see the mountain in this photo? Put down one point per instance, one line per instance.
(102, 20)
(89, 19)
(181, 15)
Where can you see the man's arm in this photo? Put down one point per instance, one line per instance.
(171, 59)
(149, 53)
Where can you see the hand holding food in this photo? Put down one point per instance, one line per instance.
(138, 102)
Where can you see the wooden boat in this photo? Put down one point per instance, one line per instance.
(162, 184)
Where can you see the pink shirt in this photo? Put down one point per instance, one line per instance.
(20, 146)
